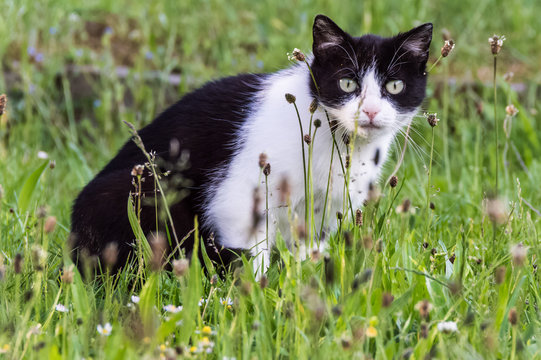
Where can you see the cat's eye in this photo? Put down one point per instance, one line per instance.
(394, 87)
(348, 85)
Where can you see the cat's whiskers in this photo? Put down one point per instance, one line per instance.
(352, 59)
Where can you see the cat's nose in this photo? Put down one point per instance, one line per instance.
(371, 112)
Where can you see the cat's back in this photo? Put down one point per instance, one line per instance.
(204, 125)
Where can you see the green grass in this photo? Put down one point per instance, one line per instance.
(315, 309)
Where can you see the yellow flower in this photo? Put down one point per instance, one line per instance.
(193, 349)
(207, 330)
(4, 349)
(371, 332)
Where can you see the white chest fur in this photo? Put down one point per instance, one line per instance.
(273, 129)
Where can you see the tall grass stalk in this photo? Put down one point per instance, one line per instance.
(496, 126)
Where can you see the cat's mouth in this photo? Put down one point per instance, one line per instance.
(371, 126)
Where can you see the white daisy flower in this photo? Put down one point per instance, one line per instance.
(105, 330)
(447, 327)
(172, 308)
(135, 299)
(61, 308)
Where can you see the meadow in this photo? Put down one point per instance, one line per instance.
(444, 264)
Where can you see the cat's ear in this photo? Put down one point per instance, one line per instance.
(417, 41)
(326, 35)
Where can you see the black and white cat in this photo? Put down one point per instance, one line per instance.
(369, 85)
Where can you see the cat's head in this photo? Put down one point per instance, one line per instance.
(376, 82)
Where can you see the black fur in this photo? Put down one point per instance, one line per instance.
(205, 124)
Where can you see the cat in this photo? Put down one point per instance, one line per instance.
(362, 90)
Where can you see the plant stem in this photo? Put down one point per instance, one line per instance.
(304, 170)
(496, 124)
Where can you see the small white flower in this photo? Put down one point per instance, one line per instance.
(105, 330)
(447, 327)
(135, 299)
(226, 301)
(61, 308)
(172, 308)
(202, 301)
(42, 155)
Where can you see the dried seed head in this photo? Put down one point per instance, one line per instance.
(296, 54)
(290, 98)
(246, 288)
(301, 231)
(379, 245)
(496, 43)
(313, 106)
(518, 254)
(495, 209)
(346, 343)
(285, 190)
(52, 164)
(262, 160)
(110, 254)
(256, 215)
(359, 218)
(317, 123)
(499, 274)
(432, 119)
(511, 110)
(348, 161)
(386, 300)
(329, 269)
(513, 316)
(39, 257)
(41, 212)
(367, 242)
(454, 287)
(424, 307)
(67, 275)
(346, 138)
(424, 331)
(263, 282)
(18, 263)
(348, 239)
(214, 279)
(50, 224)
(339, 215)
(307, 139)
(432, 206)
(3, 103)
(137, 170)
(447, 48)
(181, 267)
(267, 169)
(425, 245)
(158, 244)
(393, 181)
(333, 125)
(404, 207)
